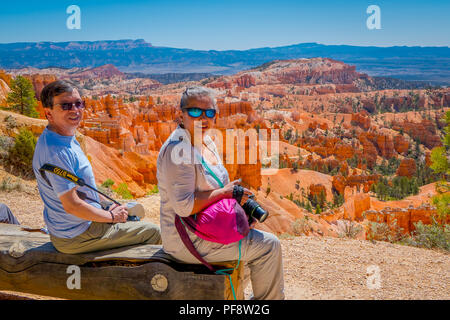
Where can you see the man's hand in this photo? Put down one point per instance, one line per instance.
(72, 204)
(119, 213)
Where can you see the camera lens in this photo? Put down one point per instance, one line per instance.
(254, 210)
(260, 214)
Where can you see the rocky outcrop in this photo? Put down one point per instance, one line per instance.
(369, 151)
(355, 205)
(362, 120)
(137, 171)
(407, 168)
(4, 90)
(105, 71)
(401, 145)
(39, 81)
(361, 183)
(424, 131)
(403, 220)
(5, 77)
(332, 76)
(316, 191)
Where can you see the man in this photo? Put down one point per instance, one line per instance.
(75, 225)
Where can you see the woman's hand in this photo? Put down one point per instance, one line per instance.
(228, 190)
(246, 196)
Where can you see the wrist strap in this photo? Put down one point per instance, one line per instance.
(112, 216)
(238, 192)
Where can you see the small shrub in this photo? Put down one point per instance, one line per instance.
(351, 230)
(154, 190)
(8, 185)
(301, 226)
(20, 155)
(381, 231)
(5, 144)
(286, 236)
(11, 122)
(123, 191)
(108, 183)
(430, 236)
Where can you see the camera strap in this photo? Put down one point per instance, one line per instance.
(181, 228)
(212, 173)
(180, 225)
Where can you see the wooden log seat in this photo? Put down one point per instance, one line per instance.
(29, 263)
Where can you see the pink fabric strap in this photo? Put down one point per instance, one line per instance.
(188, 243)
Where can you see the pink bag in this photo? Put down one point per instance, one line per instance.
(223, 222)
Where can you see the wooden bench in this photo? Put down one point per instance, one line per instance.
(29, 263)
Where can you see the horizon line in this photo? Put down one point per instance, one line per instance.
(288, 45)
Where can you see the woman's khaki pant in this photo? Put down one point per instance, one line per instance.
(261, 252)
(103, 236)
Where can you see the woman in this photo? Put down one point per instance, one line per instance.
(187, 188)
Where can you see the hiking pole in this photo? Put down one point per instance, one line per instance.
(71, 177)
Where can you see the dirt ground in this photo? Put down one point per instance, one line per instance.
(314, 267)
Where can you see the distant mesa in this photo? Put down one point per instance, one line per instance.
(296, 72)
(430, 64)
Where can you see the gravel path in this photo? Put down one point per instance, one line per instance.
(332, 268)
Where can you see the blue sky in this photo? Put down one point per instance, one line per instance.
(229, 24)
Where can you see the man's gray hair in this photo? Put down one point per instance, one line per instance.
(198, 91)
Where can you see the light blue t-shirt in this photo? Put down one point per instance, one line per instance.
(64, 152)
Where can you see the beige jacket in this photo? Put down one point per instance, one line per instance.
(179, 176)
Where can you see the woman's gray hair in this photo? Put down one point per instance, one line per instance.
(198, 91)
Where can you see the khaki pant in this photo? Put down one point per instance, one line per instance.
(261, 253)
(103, 236)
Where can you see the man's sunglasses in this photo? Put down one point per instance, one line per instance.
(69, 105)
(197, 112)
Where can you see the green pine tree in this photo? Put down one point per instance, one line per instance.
(21, 97)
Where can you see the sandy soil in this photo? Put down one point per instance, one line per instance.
(314, 267)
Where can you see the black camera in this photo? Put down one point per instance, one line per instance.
(252, 208)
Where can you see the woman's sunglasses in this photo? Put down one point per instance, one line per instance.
(69, 105)
(197, 112)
